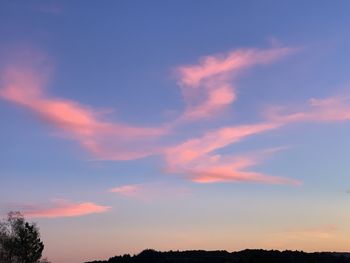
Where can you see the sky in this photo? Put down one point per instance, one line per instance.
(128, 125)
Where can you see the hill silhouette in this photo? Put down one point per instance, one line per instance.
(221, 256)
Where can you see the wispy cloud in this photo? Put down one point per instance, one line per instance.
(86, 125)
(207, 86)
(214, 168)
(196, 157)
(150, 191)
(193, 149)
(131, 190)
(331, 109)
(63, 208)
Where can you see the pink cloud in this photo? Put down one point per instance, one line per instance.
(207, 88)
(220, 64)
(150, 191)
(235, 169)
(106, 140)
(62, 208)
(211, 168)
(332, 109)
(226, 174)
(127, 190)
(192, 149)
(216, 98)
(196, 157)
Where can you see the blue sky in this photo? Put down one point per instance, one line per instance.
(124, 73)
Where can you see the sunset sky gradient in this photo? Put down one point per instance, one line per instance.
(128, 125)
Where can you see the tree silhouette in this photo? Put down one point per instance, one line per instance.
(19, 240)
(244, 256)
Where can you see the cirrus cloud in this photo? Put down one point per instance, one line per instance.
(84, 124)
(207, 89)
(62, 208)
(150, 191)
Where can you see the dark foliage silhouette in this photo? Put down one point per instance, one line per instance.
(245, 256)
(19, 240)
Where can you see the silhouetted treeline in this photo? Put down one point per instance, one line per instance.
(244, 256)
